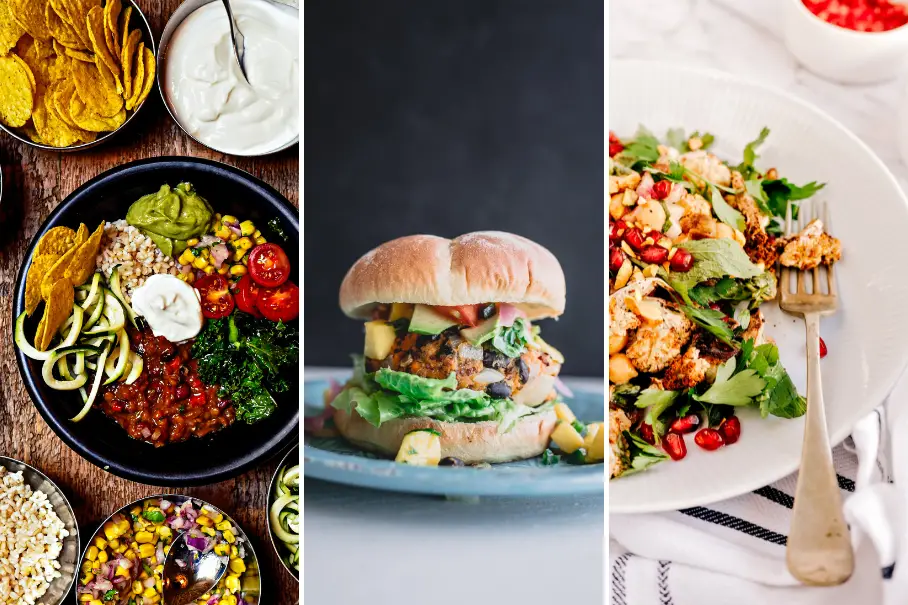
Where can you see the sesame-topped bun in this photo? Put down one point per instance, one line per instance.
(480, 267)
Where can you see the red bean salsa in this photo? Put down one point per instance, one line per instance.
(860, 15)
(168, 403)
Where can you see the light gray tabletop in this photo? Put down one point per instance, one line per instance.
(369, 547)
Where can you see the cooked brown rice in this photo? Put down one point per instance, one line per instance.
(31, 540)
(136, 253)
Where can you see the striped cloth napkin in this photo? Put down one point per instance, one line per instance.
(734, 551)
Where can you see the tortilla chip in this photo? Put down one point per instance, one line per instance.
(57, 308)
(50, 127)
(63, 90)
(28, 71)
(39, 332)
(149, 77)
(60, 30)
(10, 31)
(82, 264)
(17, 96)
(29, 14)
(123, 27)
(85, 119)
(137, 79)
(99, 45)
(27, 50)
(41, 264)
(81, 234)
(127, 56)
(97, 91)
(78, 17)
(57, 272)
(57, 242)
(80, 55)
(112, 26)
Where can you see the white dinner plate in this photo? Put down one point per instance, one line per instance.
(867, 339)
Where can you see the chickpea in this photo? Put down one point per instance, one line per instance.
(724, 231)
(616, 342)
(620, 369)
(651, 214)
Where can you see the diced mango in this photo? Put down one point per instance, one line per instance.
(223, 525)
(400, 311)
(596, 451)
(101, 543)
(221, 549)
(567, 438)
(420, 448)
(380, 337)
(563, 412)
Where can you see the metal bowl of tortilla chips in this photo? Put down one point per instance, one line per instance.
(72, 72)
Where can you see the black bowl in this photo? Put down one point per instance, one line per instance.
(99, 439)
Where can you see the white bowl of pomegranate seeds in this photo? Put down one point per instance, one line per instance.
(867, 339)
(850, 41)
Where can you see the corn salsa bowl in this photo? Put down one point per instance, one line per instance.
(124, 559)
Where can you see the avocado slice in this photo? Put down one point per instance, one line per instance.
(483, 331)
(426, 320)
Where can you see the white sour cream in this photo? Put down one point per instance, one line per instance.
(205, 88)
(170, 306)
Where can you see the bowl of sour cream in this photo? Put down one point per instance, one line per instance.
(204, 90)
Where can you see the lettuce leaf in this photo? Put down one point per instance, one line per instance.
(713, 259)
(511, 340)
(414, 387)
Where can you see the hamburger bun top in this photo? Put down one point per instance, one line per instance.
(479, 267)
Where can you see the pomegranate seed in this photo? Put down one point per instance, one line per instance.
(823, 349)
(646, 432)
(673, 444)
(685, 424)
(615, 259)
(654, 254)
(709, 439)
(615, 146)
(612, 232)
(634, 238)
(682, 261)
(731, 430)
(661, 190)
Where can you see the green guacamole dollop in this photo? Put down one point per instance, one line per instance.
(171, 216)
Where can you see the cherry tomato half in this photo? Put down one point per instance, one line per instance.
(269, 265)
(464, 315)
(281, 303)
(216, 301)
(246, 293)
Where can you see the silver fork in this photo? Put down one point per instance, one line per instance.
(819, 545)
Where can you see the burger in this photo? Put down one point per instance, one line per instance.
(453, 368)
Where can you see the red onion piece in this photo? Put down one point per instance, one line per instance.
(563, 388)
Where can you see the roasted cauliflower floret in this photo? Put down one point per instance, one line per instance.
(618, 422)
(686, 371)
(656, 343)
(706, 165)
(810, 248)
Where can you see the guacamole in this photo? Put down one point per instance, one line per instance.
(171, 216)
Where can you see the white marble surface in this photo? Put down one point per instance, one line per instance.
(744, 37)
(381, 548)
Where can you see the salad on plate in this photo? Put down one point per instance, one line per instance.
(694, 242)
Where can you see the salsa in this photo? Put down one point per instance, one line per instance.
(168, 403)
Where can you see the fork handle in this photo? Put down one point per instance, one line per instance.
(819, 543)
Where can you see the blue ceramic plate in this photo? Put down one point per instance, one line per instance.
(333, 459)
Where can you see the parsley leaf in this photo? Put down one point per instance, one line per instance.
(675, 138)
(746, 167)
(640, 151)
(640, 454)
(549, 458)
(781, 191)
(780, 397)
(725, 212)
(657, 401)
(732, 388)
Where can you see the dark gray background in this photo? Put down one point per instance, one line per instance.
(447, 117)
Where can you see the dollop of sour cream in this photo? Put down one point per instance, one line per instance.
(170, 306)
(205, 88)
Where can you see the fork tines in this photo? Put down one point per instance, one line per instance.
(807, 290)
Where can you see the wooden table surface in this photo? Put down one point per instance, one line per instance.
(34, 182)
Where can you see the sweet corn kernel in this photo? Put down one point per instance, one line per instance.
(229, 218)
(144, 537)
(192, 241)
(135, 546)
(123, 526)
(135, 511)
(158, 585)
(122, 571)
(186, 258)
(232, 583)
(217, 517)
(247, 228)
(110, 531)
(85, 597)
(130, 555)
(204, 598)
(257, 233)
(200, 263)
(204, 521)
(137, 588)
(146, 550)
(237, 566)
(114, 543)
(227, 600)
(244, 242)
(238, 255)
(223, 232)
(95, 602)
(103, 556)
(208, 270)
(149, 592)
(208, 531)
(86, 566)
(259, 240)
(237, 270)
(223, 525)
(221, 549)
(159, 569)
(122, 548)
(228, 535)
(234, 553)
(224, 270)
(101, 543)
(92, 553)
(164, 531)
(87, 578)
(234, 236)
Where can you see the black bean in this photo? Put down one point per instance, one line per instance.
(487, 311)
(523, 369)
(451, 462)
(499, 390)
(493, 359)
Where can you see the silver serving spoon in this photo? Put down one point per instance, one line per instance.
(188, 574)
(239, 41)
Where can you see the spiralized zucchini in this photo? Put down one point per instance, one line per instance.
(285, 513)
